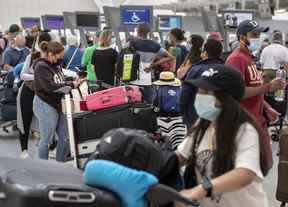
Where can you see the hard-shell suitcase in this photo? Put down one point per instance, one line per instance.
(35, 183)
(282, 187)
(113, 97)
(92, 125)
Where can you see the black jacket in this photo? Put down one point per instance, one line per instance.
(48, 79)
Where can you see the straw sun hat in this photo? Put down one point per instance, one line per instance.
(167, 78)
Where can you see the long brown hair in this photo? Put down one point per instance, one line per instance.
(232, 117)
(194, 55)
(105, 38)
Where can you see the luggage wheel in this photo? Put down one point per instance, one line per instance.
(5, 130)
(283, 204)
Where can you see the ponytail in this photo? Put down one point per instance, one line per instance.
(44, 46)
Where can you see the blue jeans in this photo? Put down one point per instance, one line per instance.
(51, 122)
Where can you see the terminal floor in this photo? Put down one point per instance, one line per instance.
(9, 146)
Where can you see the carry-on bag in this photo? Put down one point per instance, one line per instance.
(35, 183)
(113, 97)
(128, 65)
(282, 187)
(92, 125)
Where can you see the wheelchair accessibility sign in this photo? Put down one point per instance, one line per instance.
(131, 16)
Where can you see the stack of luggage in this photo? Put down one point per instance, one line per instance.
(109, 109)
(166, 100)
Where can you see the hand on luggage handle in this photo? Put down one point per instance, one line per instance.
(161, 194)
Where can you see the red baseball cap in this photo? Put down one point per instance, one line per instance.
(215, 36)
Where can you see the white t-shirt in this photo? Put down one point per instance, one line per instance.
(247, 156)
(273, 56)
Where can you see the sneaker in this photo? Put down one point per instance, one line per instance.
(24, 155)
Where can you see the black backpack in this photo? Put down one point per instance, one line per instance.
(131, 148)
(128, 64)
(139, 150)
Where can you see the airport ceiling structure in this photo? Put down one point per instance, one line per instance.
(193, 3)
(180, 5)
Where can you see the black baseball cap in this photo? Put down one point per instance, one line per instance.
(250, 26)
(221, 78)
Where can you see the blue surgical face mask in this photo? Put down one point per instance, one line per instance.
(255, 44)
(205, 105)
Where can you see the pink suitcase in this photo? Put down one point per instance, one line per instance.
(113, 97)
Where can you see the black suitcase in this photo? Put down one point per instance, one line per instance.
(92, 125)
(39, 183)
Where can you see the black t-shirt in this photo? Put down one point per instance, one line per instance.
(104, 61)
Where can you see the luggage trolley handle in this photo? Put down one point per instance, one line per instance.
(161, 195)
(71, 129)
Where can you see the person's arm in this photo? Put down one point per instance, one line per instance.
(2, 43)
(93, 61)
(85, 58)
(273, 86)
(7, 61)
(184, 68)
(229, 182)
(183, 151)
(167, 57)
(247, 167)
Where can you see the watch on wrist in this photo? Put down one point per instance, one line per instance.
(208, 187)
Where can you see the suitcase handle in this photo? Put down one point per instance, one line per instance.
(105, 99)
(71, 196)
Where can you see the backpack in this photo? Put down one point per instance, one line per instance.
(181, 52)
(139, 150)
(167, 99)
(131, 148)
(128, 65)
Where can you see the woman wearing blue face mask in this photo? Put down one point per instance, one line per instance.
(224, 149)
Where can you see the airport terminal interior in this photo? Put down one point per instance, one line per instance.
(141, 103)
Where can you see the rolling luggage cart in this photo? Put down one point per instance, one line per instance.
(280, 107)
(158, 195)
